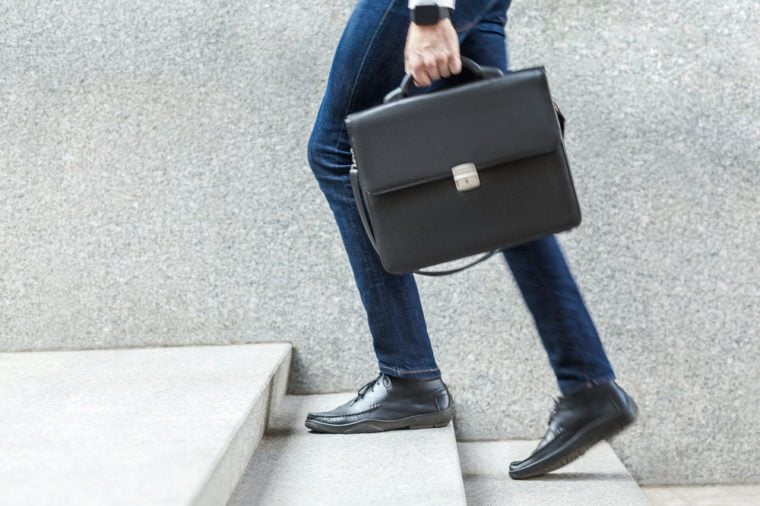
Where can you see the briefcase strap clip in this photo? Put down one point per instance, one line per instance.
(465, 176)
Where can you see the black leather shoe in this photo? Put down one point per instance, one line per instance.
(577, 422)
(388, 403)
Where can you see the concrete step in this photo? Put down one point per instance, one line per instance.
(295, 466)
(597, 477)
(703, 495)
(148, 426)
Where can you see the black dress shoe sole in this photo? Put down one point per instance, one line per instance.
(576, 446)
(421, 421)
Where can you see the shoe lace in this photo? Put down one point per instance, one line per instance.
(558, 403)
(367, 387)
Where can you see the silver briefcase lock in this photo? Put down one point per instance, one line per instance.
(465, 176)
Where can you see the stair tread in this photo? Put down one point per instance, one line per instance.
(597, 477)
(293, 465)
(126, 426)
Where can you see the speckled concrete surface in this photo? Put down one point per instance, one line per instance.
(155, 190)
(704, 495)
(159, 426)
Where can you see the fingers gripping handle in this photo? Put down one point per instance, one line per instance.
(480, 71)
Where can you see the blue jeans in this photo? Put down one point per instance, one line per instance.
(369, 62)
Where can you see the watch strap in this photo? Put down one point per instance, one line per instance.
(429, 14)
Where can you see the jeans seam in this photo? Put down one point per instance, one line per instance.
(361, 66)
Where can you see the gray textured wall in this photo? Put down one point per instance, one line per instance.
(154, 189)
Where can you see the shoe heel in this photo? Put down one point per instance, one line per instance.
(443, 399)
(629, 411)
(434, 420)
(620, 424)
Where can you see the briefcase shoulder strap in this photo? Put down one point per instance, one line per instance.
(485, 256)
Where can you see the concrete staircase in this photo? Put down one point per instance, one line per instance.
(211, 425)
(596, 478)
(293, 466)
(168, 425)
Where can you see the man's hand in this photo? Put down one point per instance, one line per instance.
(431, 52)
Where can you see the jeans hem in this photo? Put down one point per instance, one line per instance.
(571, 387)
(413, 374)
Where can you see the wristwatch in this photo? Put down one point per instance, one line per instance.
(429, 14)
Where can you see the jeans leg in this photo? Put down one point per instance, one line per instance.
(367, 64)
(567, 332)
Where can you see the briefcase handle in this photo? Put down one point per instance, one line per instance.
(480, 71)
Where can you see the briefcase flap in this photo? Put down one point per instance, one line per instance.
(419, 138)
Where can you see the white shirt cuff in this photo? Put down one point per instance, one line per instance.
(442, 3)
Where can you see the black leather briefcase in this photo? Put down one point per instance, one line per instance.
(469, 169)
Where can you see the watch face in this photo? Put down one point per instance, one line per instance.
(426, 14)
